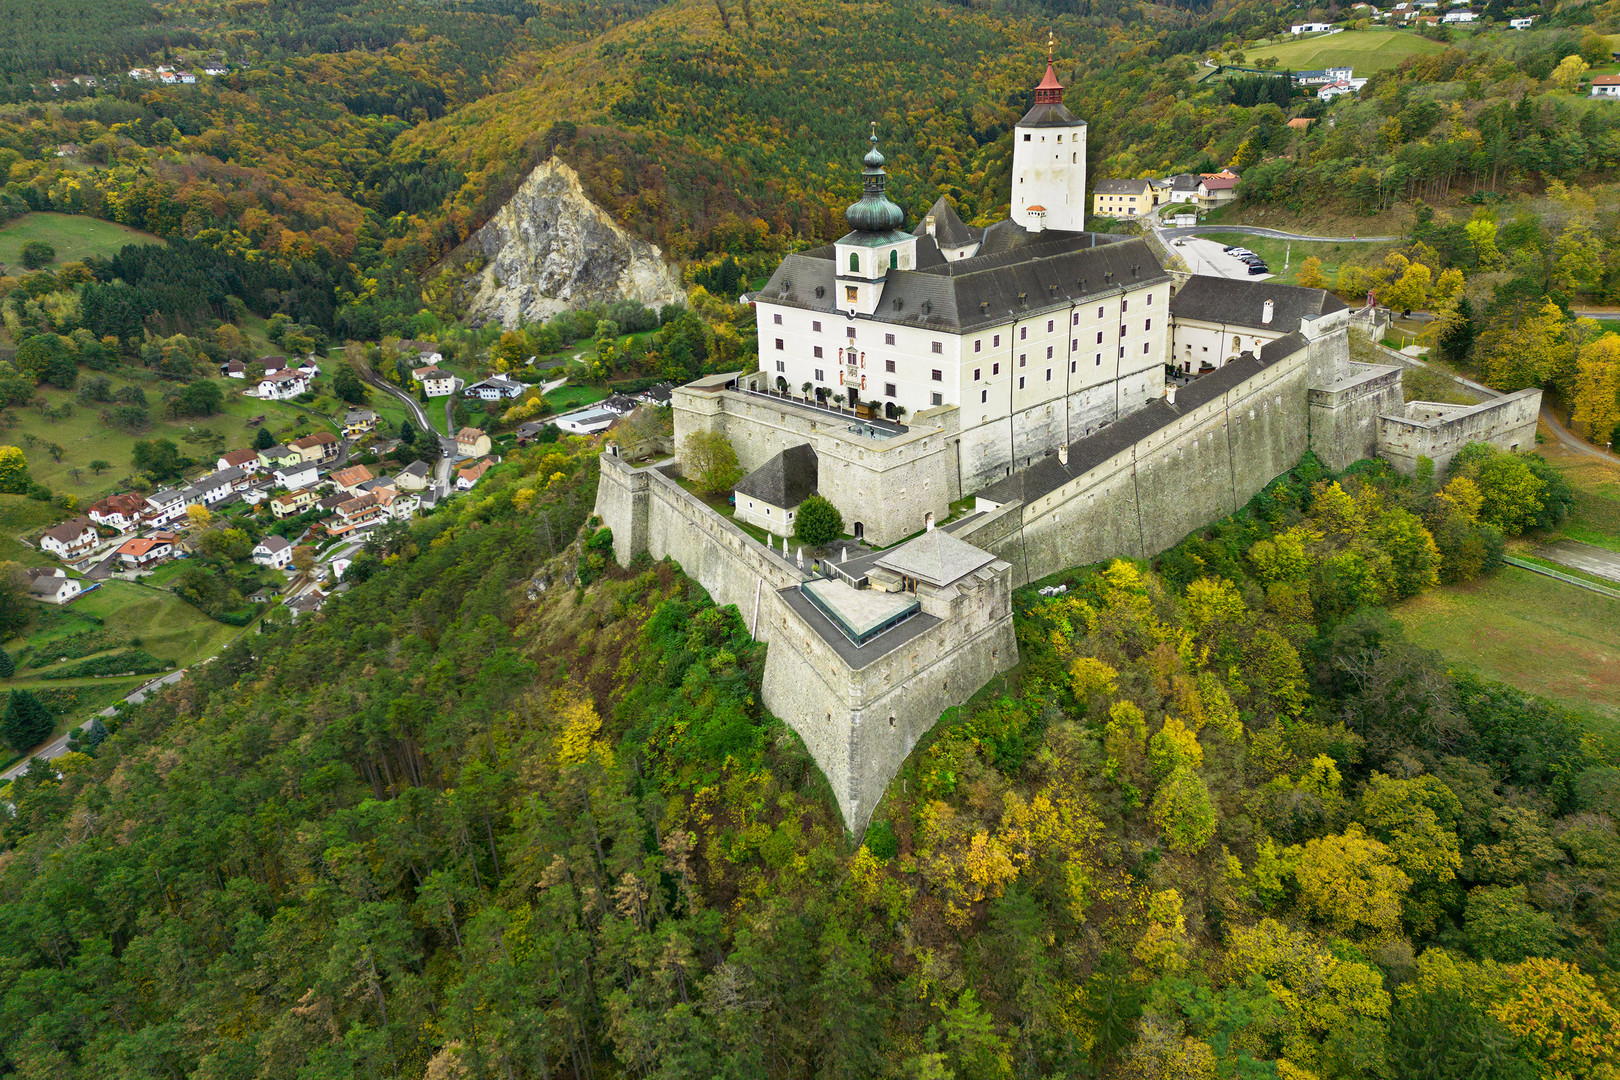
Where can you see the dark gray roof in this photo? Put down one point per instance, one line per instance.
(1044, 115)
(415, 468)
(1184, 181)
(936, 557)
(1242, 303)
(948, 228)
(1049, 474)
(1120, 187)
(1015, 272)
(786, 480)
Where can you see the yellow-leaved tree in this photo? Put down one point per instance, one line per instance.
(1564, 1019)
(1350, 882)
(1597, 386)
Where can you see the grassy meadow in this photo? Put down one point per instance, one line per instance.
(1364, 51)
(74, 237)
(1295, 252)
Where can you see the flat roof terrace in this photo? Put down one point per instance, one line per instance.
(861, 614)
(843, 418)
(886, 636)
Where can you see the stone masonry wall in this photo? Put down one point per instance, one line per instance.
(859, 725)
(1344, 413)
(1201, 467)
(1437, 431)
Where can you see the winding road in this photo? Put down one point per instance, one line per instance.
(58, 746)
(1275, 234)
(447, 444)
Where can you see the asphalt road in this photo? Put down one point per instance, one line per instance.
(1593, 560)
(58, 746)
(1255, 230)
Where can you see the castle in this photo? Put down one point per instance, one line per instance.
(1067, 396)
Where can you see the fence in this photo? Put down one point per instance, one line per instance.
(1537, 568)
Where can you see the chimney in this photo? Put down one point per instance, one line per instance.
(928, 224)
(1265, 313)
(1170, 389)
(1063, 453)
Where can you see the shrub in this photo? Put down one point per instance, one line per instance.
(819, 521)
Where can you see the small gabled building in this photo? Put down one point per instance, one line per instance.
(163, 506)
(414, 477)
(494, 388)
(296, 475)
(351, 478)
(246, 459)
(293, 502)
(143, 551)
(274, 457)
(54, 588)
(769, 497)
(358, 422)
(436, 382)
(468, 477)
(423, 352)
(121, 512)
(273, 551)
(472, 442)
(283, 385)
(70, 540)
(1124, 198)
(322, 446)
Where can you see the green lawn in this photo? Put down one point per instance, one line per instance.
(21, 516)
(165, 625)
(565, 398)
(1546, 637)
(1293, 253)
(72, 235)
(1365, 51)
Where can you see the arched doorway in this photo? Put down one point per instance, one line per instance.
(860, 531)
(928, 520)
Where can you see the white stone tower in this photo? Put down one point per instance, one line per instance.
(1049, 161)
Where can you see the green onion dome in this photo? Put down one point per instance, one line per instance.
(874, 213)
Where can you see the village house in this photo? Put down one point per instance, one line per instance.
(294, 502)
(436, 382)
(121, 511)
(494, 388)
(413, 477)
(1310, 28)
(306, 604)
(71, 539)
(358, 422)
(466, 478)
(273, 551)
(212, 488)
(351, 478)
(472, 442)
(529, 431)
(273, 364)
(247, 460)
(233, 369)
(769, 497)
(283, 385)
(143, 551)
(319, 447)
(360, 512)
(295, 475)
(52, 585)
(163, 506)
(1217, 189)
(424, 352)
(398, 505)
(1123, 198)
(1605, 86)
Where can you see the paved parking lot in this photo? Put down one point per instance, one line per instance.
(1206, 257)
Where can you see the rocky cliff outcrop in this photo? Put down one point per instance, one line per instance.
(551, 248)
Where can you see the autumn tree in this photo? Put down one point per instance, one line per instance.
(711, 462)
(1597, 386)
(14, 478)
(1310, 274)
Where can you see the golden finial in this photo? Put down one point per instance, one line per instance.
(1051, 40)
(874, 129)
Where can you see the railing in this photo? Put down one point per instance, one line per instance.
(889, 428)
(1537, 568)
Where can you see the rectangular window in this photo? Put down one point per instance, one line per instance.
(1150, 299)
(1077, 318)
(1048, 374)
(976, 374)
(939, 376)
(995, 369)
(1144, 348)
(1020, 359)
(1121, 329)
(1026, 136)
(995, 342)
(1099, 337)
(888, 389)
(978, 345)
(777, 319)
(888, 365)
(778, 344)
(1049, 352)
(937, 347)
(1124, 305)
(819, 376)
(1099, 313)
(937, 399)
(816, 350)
(1147, 324)
(1048, 326)
(849, 332)
(1122, 352)
(1099, 359)
(1023, 333)
(780, 366)
(816, 326)
(888, 339)
(1020, 382)
(984, 396)
(1074, 346)
(1074, 365)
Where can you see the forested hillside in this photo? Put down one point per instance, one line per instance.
(1222, 821)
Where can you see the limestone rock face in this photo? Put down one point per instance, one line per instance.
(550, 248)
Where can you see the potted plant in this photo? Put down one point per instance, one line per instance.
(838, 400)
(805, 388)
(781, 385)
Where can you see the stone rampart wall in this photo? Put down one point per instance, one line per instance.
(1200, 467)
(1344, 413)
(1437, 431)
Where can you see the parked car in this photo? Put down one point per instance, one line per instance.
(1258, 268)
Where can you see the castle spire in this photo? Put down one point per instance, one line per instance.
(1049, 91)
(874, 213)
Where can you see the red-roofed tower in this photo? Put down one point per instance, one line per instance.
(1049, 160)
